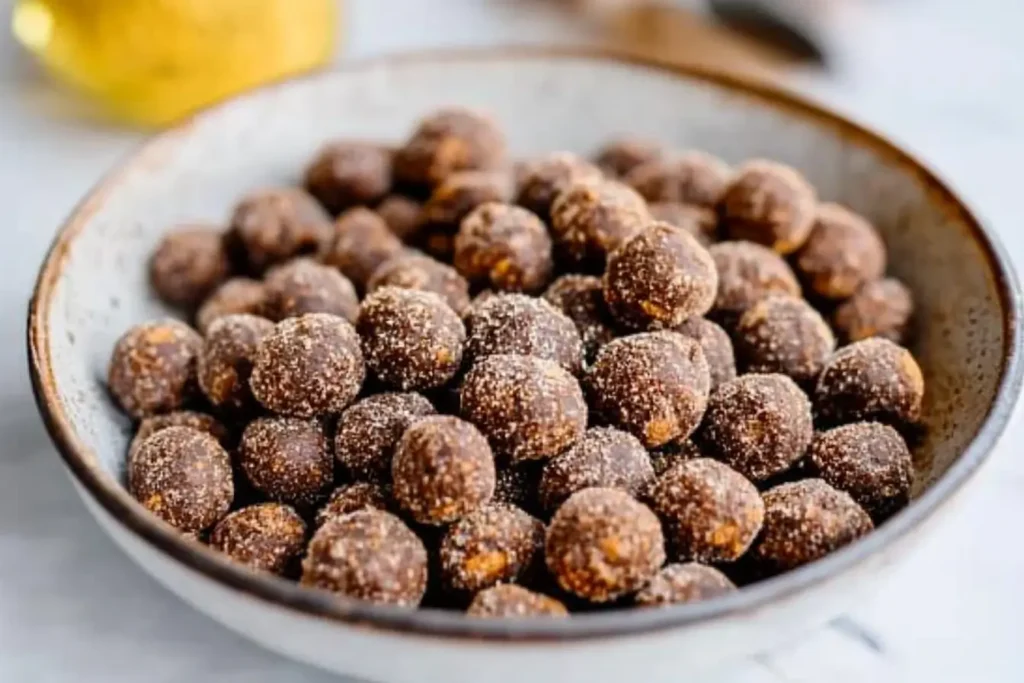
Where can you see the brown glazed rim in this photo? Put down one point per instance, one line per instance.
(436, 623)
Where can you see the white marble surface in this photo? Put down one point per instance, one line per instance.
(943, 77)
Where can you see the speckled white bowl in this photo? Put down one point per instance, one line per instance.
(93, 286)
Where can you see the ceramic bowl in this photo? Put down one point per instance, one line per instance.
(93, 286)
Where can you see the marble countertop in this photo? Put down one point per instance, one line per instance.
(942, 77)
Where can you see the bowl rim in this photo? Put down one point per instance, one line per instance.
(114, 499)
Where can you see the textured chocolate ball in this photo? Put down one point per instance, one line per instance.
(581, 299)
(873, 379)
(268, 537)
(276, 225)
(770, 204)
(309, 365)
(717, 346)
(883, 308)
(362, 495)
(403, 215)
(509, 601)
(181, 418)
(460, 193)
(183, 476)
(805, 521)
(443, 470)
(653, 385)
(603, 457)
(747, 273)
(691, 178)
(361, 242)
(784, 334)
(505, 247)
(620, 156)
(305, 286)
(759, 425)
(410, 339)
(287, 459)
(237, 295)
(592, 218)
(661, 276)
(868, 460)
(153, 367)
(682, 583)
(842, 253)
(495, 544)
(347, 173)
(447, 141)
(369, 430)
(541, 180)
(529, 408)
(368, 555)
(225, 363)
(603, 544)
(709, 511)
(188, 264)
(699, 221)
(521, 325)
(412, 270)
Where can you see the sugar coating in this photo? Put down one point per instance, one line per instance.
(188, 264)
(347, 173)
(225, 362)
(873, 379)
(460, 193)
(618, 157)
(603, 544)
(305, 286)
(882, 308)
(274, 225)
(603, 457)
(447, 141)
(267, 537)
(369, 430)
(522, 325)
(768, 203)
(413, 270)
(682, 583)
(403, 215)
(505, 247)
(710, 512)
(347, 498)
(367, 555)
(691, 178)
(581, 299)
(180, 418)
(673, 453)
(361, 242)
(842, 253)
(653, 385)
(443, 469)
(183, 476)
(783, 334)
(509, 601)
(699, 221)
(529, 408)
(287, 459)
(495, 544)
(237, 295)
(541, 180)
(153, 367)
(747, 273)
(718, 348)
(309, 365)
(592, 218)
(806, 520)
(662, 275)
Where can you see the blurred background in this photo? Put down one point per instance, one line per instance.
(82, 81)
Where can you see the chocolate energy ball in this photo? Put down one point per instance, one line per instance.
(369, 430)
(691, 178)
(620, 156)
(153, 367)
(276, 225)
(504, 247)
(181, 418)
(603, 457)
(747, 273)
(804, 521)
(347, 173)
(661, 276)
(347, 498)
(770, 204)
(542, 180)
(188, 264)
(443, 470)
(237, 295)
(183, 476)
(868, 460)
(842, 253)
(603, 544)
(287, 459)
(362, 241)
(460, 193)
(873, 379)
(784, 334)
(759, 425)
(368, 555)
(581, 299)
(410, 339)
(495, 544)
(403, 215)
(672, 454)
(412, 270)
(225, 362)
(305, 286)
(447, 141)
(521, 325)
(592, 218)
(509, 601)
(267, 537)
(717, 346)
(308, 366)
(699, 221)
(529, 408)
(653, 385)
(682, 583)
(882, 308)
(710, 512)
